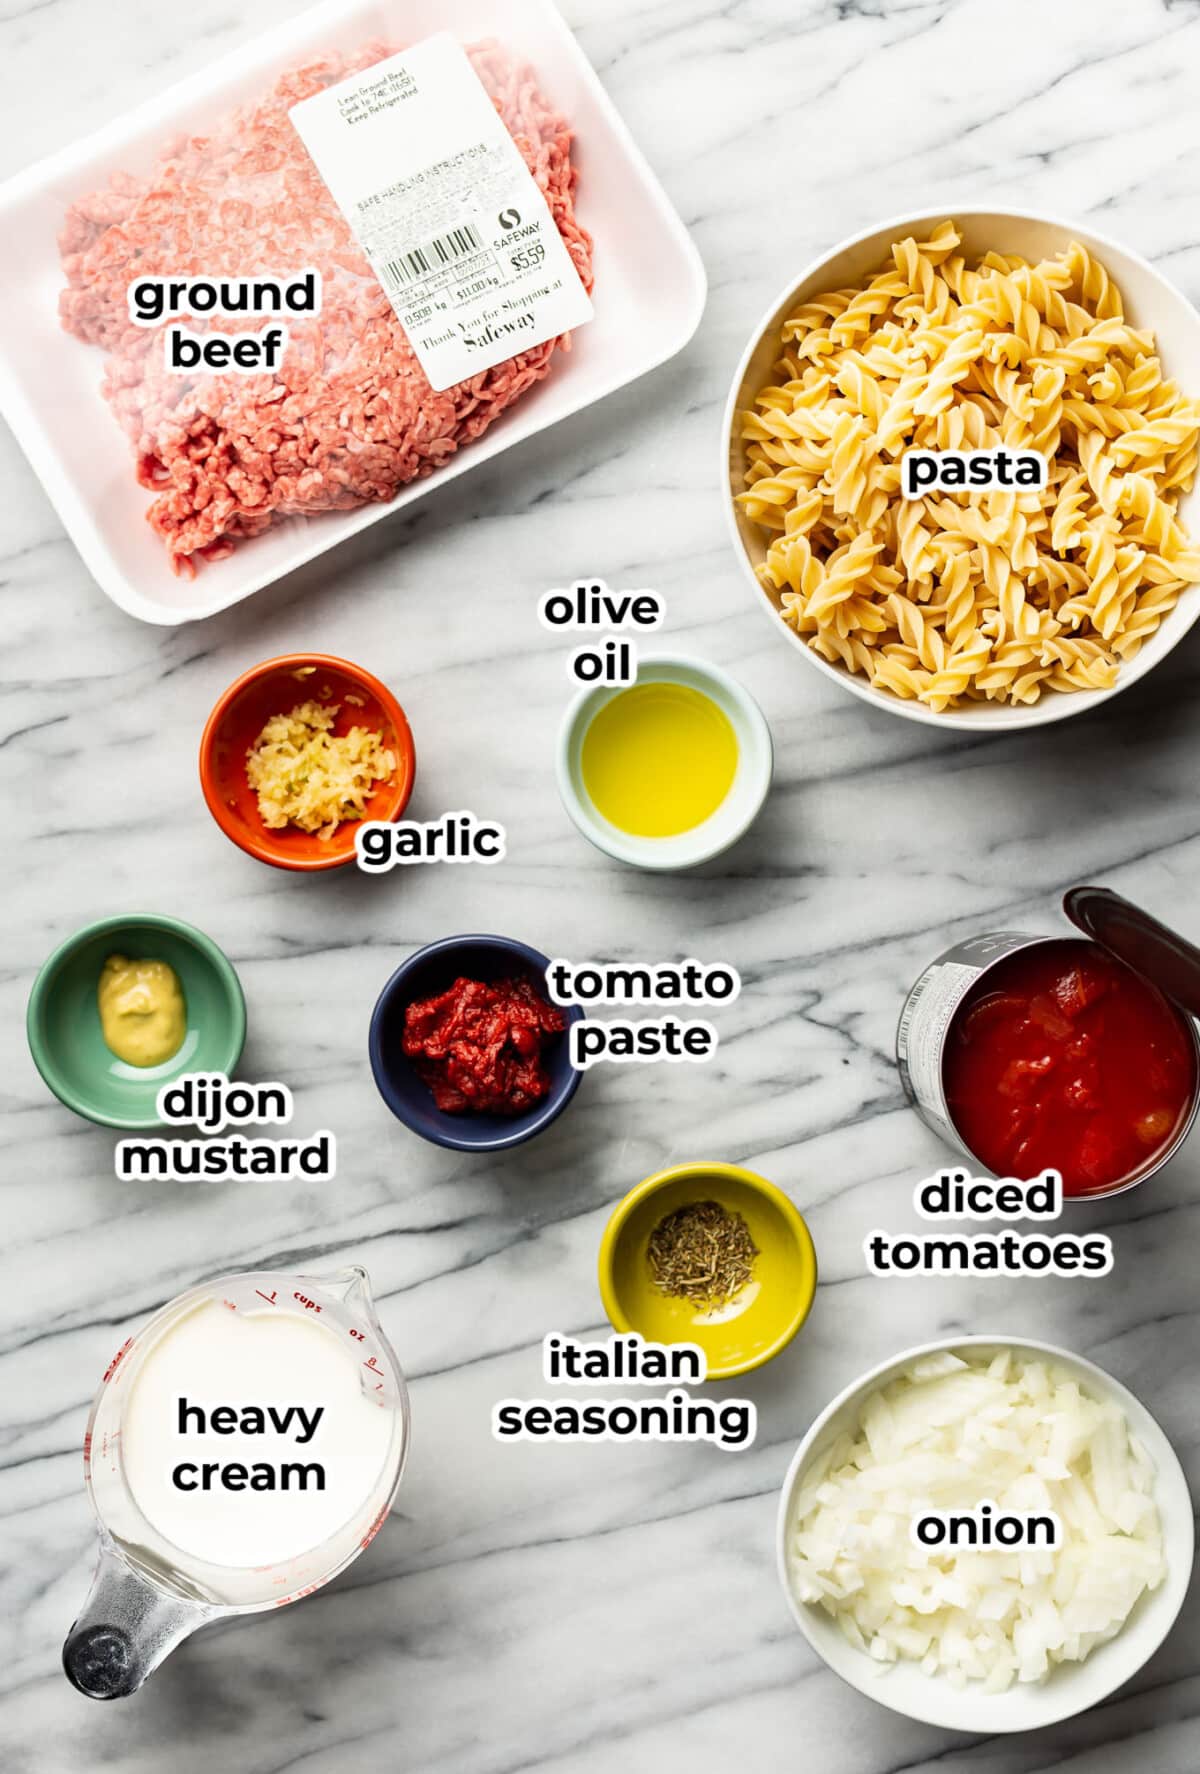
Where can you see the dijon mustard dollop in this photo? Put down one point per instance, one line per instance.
(143, 1017)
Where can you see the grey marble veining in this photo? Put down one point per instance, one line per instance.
(566, 1610)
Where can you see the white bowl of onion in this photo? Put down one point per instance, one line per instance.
(989, 1640)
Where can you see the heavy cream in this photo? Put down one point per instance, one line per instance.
(248, 1438)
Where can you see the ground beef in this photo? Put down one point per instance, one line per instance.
(350, 417)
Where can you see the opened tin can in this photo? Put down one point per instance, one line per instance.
(955, 983)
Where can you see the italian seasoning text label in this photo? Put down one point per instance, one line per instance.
(729, 1423)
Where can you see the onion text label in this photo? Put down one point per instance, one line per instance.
(986, 1529)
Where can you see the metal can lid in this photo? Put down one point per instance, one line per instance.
(1158, 953)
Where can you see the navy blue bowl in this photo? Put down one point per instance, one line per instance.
(434, 969)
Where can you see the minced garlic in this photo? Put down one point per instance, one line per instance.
(306, 775)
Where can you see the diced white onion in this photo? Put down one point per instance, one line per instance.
(949, 1434)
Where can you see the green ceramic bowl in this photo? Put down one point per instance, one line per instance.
(63, 1020)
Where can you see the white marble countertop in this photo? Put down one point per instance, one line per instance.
(563, 1609)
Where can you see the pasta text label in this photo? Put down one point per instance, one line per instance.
(974, 470)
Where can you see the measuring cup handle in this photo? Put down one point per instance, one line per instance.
(126, 1628)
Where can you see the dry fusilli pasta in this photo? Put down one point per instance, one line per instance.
(955, 597)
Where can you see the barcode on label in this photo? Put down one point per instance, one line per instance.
(433, 255)
(909, 1011)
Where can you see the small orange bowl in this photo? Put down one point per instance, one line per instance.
(275, 687)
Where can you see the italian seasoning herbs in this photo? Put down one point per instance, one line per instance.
(702, 1253)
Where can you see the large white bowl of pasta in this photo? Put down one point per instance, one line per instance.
(994, 330)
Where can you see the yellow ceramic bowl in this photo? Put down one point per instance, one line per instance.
(770, 1309)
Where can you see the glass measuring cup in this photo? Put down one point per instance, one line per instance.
(147, 1594)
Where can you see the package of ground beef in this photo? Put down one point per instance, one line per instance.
(351, 410)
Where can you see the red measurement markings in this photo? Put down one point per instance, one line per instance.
(285, 1600)
(87, 1453)
(309, 1305)
(117, 1359)
(269, 1298)
(375, 1527)
(232, 1305)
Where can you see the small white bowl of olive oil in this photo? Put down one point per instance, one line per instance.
(669, 771)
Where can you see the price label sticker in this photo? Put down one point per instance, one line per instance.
(440, 199)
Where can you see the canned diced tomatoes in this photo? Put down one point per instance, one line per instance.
(1061, 1057)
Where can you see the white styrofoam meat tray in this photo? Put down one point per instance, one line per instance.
(650, 291)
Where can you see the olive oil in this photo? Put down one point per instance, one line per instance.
(659, 759)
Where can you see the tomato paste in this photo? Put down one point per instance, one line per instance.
(1064, 1058)
(479, 1045)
